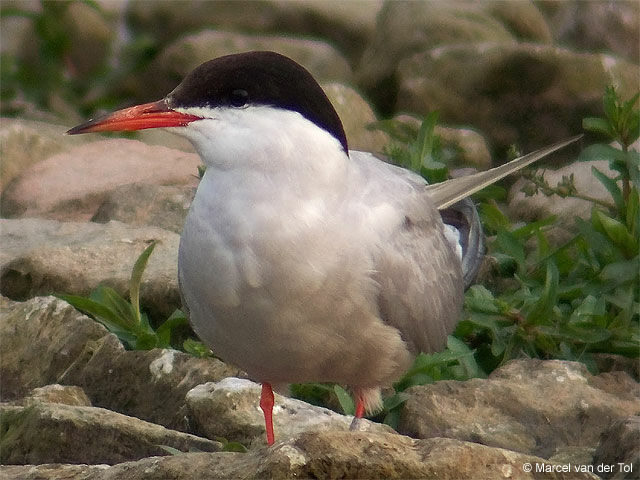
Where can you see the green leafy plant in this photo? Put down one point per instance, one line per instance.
(125, 319)
(576, 299)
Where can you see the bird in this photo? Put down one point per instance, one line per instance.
(301, 260)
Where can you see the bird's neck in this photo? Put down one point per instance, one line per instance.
(271, 142)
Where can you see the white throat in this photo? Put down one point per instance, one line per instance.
(261, 138)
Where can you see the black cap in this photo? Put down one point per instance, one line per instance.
(259, 78)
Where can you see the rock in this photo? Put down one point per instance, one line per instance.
(540, 206)
(57, 433)
(61, 345)
(89, 34)
(52, 471)
(356, 115)
(230, 409)
(507, 410)
(524, 94)
(406, 28)
(329, 454)
(56, 393)
(142, 204)
(595, 26)
(469, 147)
(620, 448)
(41, 257)
(44, 333)
(77, 181)
(25, 142)
(609, 362)
(185, 54)
(150, 385)
(348, 25)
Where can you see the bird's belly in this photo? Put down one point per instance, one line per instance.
(280, 293)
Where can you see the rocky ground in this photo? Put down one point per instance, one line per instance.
(77, 211)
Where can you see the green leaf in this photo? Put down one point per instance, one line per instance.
(196, 348)
(601, 151)
(598, 125)
(632, 215)
(621, 272)
(479, 299)
(610, 103)
(102, 313)
(114, 302)
(465, 357)
(510, 245)
(170, 450)
(493, 218)
(136, 279)
(395, 400)
(612, 187)
(345, 400)
(163, 332)
(617, 233)
(543, 307)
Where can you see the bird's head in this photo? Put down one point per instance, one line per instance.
(230, 101)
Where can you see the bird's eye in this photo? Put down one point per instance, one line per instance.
(239, 98)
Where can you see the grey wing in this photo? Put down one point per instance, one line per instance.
(420, 278)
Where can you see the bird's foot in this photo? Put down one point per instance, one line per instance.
(266, 404)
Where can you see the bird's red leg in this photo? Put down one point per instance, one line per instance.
(266, 404)
(359, 406)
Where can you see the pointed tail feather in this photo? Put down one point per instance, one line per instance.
(447, 193)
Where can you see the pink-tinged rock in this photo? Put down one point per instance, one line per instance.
(70, 186)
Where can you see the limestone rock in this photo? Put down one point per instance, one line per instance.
(42, 257)
(57, 433)
(540, 206)
(26, 142)
(529, 406)
(182, 56)
(142, 204)
(328, 455)
(61, 345)
(348, 25)
(230, 409)
(356, 114)
(44, 333)
(517, 93)
(56, 393)
(78, 180)
(620, 447)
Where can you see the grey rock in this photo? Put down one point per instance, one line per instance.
(406, 28)
(26, 142)
(61, 345)
(607, 25)
(44, 333)
(470, 147)
(78, 180)
(185, 54)
(619, 447)
(52, 471)
(56, 393)
(42, 257)
(508, 410)
(57, 433)
(538, 206)
(516, 93)
(230, 409)
(142, 204)
(356, 114)
(326, 455)
(348, 25)
(150, 385)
